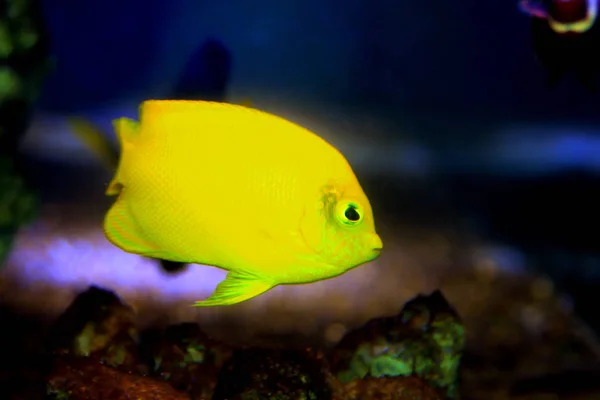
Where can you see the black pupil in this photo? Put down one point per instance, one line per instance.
(352, 214)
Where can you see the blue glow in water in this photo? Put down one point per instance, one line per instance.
(507, 259)
(544, 150)
(88, 258)
(576, 150)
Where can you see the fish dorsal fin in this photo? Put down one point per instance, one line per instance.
(158, 114)
(126, 129)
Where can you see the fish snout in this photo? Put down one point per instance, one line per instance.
(376, 243)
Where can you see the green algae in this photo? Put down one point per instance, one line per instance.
(425, 340)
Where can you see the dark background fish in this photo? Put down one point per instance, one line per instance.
(560, 52)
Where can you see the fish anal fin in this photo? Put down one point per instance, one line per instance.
(236, 288)
(126, 129)
(123, 231)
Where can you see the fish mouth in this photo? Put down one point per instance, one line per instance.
(375, 253)
(376, 243)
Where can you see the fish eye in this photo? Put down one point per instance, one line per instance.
(349, 213)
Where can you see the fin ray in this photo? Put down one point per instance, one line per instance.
(236, 288)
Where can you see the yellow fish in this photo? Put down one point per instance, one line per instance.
(240, 189)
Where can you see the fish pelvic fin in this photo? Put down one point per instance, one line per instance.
(95, 140)
(236, 288)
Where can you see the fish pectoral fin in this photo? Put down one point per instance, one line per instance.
(236, 288)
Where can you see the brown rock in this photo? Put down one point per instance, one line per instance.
(98, 325)
(185, 357)
(398, 388)
(81, 378)
(425, 339)
(274, 374)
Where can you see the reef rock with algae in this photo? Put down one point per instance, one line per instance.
(99, 326)
(425, 339)
(97, 352)
(185, 357)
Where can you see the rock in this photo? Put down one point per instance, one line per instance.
(425, 339)
(397, 388)
(97, 325)
(185, 357)
(79, 378)
(95, 354)
(274, 374)
(304, 374)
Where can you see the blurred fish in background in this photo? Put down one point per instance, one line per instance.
(566, 38)
(206, 73)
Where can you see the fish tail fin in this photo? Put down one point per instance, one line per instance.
(95, 140)
(126, 130)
